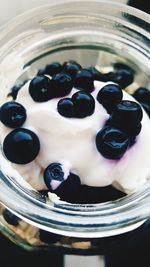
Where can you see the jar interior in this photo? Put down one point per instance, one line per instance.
(100, 55)
(86, 55)
(88, 44)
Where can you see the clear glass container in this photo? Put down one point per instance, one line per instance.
(92, 33)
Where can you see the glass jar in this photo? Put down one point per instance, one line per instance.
(92, 33)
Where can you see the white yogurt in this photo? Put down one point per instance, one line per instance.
(71, 141)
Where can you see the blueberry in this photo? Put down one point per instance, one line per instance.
(61, 84)
(132, 130)
(84, 104)
(53, 68)
(81, 105)
(112, 143)
(21, 146)
(128, 113)
(84, 81)
(142, 95)
(109, 96)
(52, 175)
(69, 189)
(40, 89)
(123, 77)
(41, 72)
(122, 66)
(107, 77)
(65, 107)
(71, 67)
(10, 218)
(12, 114)
(146, 108)
(96, 74)
(99, 76)
(15, 89)
(48, 237)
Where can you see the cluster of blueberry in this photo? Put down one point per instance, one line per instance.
(64, 77)
(82, 104)
(21, 146)
(43, 89)
(70, 74)
(83, 79)
(123, 125)
(122, 74)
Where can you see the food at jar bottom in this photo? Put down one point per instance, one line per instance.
(77, 133)
(37, 238)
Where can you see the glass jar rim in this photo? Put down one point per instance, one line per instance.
(10, 25)
(96, 220)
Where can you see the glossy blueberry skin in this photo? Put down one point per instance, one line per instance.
(112, 143)
(61, 84)
(84, 104)
(72, 68)
(122, 66)
(123, 77)
(128, 113)
(21, 146)
(142, 95)
(99, 76)
(55, 172)
(109, 96)
(51, 69)
(41, 72)
(40, 89)
(146, 107)
(11, 218)
(96, 74)
(131, 130)
(65, 107)
(12, 114)
(69, 189)
(84, 81)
